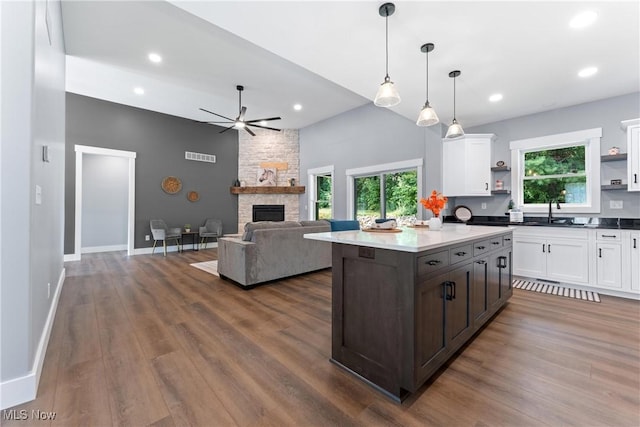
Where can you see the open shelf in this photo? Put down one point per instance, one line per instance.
(500, 191)
(614, 187)
(500, 169)
(268, 190)
(621, 156)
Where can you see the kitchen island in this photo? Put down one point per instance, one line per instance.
(403, 303)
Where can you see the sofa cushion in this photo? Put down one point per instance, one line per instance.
(260, 225)
(321, 222)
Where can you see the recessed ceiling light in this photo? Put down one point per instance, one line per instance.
(297, 107)
(587, 72)
(138, 90)
(154, 57)
(495, 97)
(583, 19)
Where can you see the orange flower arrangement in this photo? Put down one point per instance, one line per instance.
(435, 203)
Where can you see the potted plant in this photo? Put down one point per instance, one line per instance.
(187, 227)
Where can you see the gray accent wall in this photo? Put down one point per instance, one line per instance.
(160, 142)
(366, 136)
(606, 113)
(31, 233)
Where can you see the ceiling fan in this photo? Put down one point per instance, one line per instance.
(239, 122)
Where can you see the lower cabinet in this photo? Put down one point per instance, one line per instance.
(609, 265)
(634, 264)
(397, 317)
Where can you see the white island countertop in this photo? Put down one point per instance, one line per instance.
(411, 239)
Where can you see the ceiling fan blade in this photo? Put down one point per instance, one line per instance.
(243, 110)
(226, 129)
(263, 120)
(225, 123)
(264, 127)
(216, 114)
(249, 130)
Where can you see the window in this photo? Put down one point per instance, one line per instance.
(562, 168)
(385, 191)
(320, 192)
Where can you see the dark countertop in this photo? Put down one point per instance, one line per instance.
(567, 222)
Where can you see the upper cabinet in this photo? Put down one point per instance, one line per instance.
(466, 165)
(633, 153)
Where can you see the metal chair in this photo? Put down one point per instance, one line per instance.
(211, 228)
(160, 231)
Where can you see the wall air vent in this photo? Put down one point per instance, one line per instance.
(200, 157)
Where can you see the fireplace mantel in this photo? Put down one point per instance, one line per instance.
(268, 190)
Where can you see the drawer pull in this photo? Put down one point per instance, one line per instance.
(609, 235)
(460, 253)
(480, 247)
(635, 243)
(481, 262)
(495, 243)
(506, 239)
(433, 262)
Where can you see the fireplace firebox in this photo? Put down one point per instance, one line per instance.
(268, 213)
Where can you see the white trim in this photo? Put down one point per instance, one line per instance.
(589, 137)
(311, 181)
(109, 248)
(24, 389)
(71, 257)
(85, 149)
(626, 123)
(382, 168)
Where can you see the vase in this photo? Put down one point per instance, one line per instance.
(435, 223)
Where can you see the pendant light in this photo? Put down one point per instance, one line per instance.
(387, 95)
(455, 130)
(427, 116)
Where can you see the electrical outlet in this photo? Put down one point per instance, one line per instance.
(615, 204)
(484, 206)
(48, 290)
(147, 238)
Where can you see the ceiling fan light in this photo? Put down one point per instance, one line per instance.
(455, 130)
(387, 95)
(427, 116)
(238, 124)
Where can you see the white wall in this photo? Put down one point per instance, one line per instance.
(31, 242)
(105, 187)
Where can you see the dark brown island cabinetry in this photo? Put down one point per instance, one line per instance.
(399, 316)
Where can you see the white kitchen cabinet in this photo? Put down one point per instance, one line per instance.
(609, 259)
(633, 244)
(466, 165)
(633, 154)
(560, 255)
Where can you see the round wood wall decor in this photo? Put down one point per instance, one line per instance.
(193, 196)
(171, 185)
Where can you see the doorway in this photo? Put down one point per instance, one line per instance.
(82, 151)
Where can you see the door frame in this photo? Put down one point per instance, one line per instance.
(81, 150)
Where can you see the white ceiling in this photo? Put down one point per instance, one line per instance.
(329, 56)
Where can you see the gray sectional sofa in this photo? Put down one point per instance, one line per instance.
(272, 250)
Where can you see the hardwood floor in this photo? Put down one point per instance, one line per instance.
(150, 340)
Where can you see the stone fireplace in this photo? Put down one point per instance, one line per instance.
(268, 146)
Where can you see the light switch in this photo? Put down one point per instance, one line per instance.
(484, 206)
(615, 204)
(38, 195)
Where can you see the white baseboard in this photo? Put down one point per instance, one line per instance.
(159, 250)
(71, 257)
(109, 248)
(24, 389)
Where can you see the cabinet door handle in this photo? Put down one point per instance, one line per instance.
(600, 253)
(481, 262)
(433, 262)
(448, 295)
(635, 178)
(609, 235)
(543, 251)
(635, 243)
(480, 247)
(549, 248)
(502, 262)
(486, 185)
(460, 253)
(453, 286)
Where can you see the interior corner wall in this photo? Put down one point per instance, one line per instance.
(33, 106)
(605, 113)
(366, 136)
(160, 141)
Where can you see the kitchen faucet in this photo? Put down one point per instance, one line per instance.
(550, 217)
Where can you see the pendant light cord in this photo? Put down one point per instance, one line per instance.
(427, 78)
(386, 42)
(454, 98)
